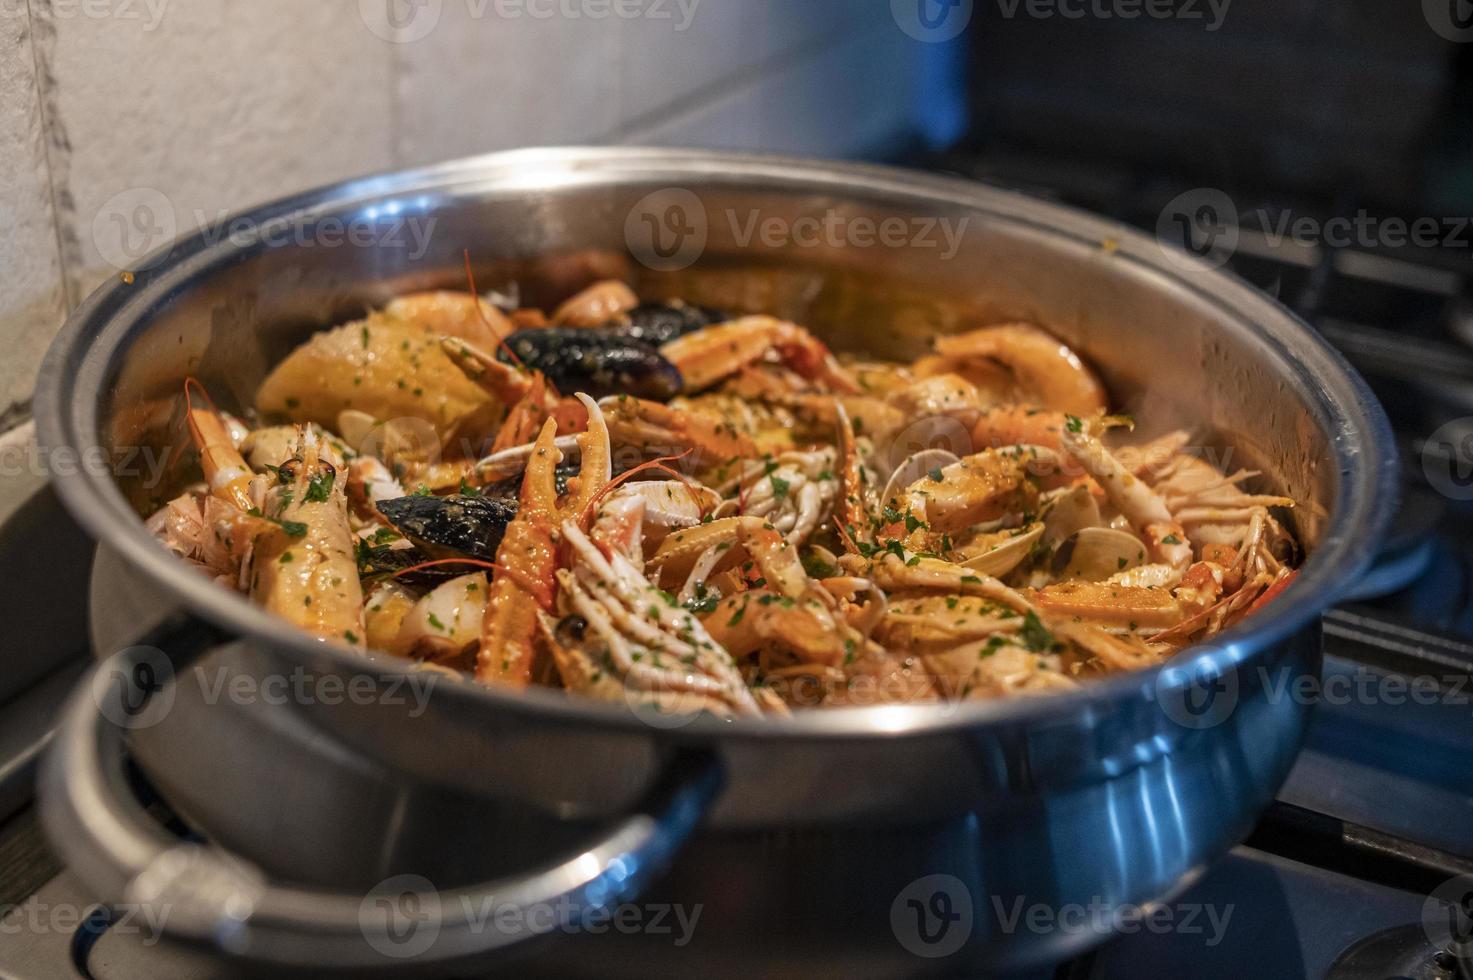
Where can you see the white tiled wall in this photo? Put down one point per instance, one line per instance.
(122, 121)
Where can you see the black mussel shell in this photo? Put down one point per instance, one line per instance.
(452, 527)
(596, 363)
(384, 560)
(657, 324)
(510, 489)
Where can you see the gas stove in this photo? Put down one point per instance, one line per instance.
(1363, 868)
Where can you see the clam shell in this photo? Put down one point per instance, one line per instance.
(1093, 554)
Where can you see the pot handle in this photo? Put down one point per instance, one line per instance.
(216, 898)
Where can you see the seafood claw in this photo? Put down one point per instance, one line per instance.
(1132, 496)
(795, 492)
(628, 639)
(792, 611)
(662, 428)
(523, 584)
(710, 355)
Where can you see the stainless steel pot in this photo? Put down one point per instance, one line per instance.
(814, 830)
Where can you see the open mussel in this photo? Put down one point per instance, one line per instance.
(452, 527)
(596, 362)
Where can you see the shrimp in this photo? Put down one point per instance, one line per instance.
(225, 469)
(1041, 365)
(304, 569)
(714, 353)
(453, 314)
(597, 305)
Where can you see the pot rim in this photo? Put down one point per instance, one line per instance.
(69, 390)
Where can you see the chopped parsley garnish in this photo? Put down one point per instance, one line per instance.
(1035, 635)
(1073, 423)
(780, 487)
(703, 600)
(319, 489)
(293, 529)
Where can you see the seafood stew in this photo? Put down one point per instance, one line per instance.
(691, 509)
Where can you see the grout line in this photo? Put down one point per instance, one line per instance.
(49, 136)
(740, 80)
(14, 416)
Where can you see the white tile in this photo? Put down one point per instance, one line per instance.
(711, 44)
(31, 306)
(841, 101)
(487, 77)
(212, 106)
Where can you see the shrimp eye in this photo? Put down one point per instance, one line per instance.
(288, 470)
(570, 629)
(325, 467)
